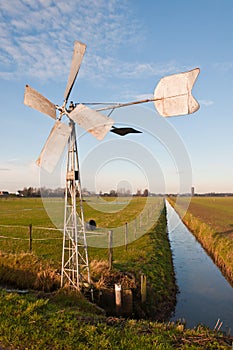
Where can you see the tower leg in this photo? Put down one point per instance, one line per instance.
(75, 266)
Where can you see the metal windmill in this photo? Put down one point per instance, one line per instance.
(172, 96)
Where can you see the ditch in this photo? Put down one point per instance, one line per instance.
(205, 296)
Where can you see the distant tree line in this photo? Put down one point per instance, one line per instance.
(124, 193)
(38, 192)
(60, 192)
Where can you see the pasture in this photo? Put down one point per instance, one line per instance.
(146, 251)
(46, 219)
(17, 214)
(214, 211)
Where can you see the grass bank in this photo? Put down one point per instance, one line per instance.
(151, 256)
(66, 321)
(210, 220)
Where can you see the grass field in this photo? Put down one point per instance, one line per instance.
(16, 214)
(34, 269)
(211, 221)
(65, 320)
(214, 211)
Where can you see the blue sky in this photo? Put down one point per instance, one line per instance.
(131, 45)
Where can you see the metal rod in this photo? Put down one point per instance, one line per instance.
(118, 105)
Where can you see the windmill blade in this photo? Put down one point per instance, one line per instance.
(94, 122)
(79, 50)
(173, 94)
(34, 99)
(54, 147)
(124, 131)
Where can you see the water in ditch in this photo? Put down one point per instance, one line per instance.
(204, 294)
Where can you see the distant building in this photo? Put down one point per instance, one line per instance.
(4, 193)
(192, 191)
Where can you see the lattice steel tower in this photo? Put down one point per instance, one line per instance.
(75, 266)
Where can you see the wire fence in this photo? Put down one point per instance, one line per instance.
(47, 241)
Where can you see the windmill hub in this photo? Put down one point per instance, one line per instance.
(62, 110)
(71, 106)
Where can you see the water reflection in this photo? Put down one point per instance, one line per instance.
(205, 295)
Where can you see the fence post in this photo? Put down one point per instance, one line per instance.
(118, 298)
(135, 227)
(30, 237)
(126, 235)
(143, 288)
(110, 249)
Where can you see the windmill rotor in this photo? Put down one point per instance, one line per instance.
(79, 50)
(34, 99)
(54, 146)
(92, 121)
(172, 96)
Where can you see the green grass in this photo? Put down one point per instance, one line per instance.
(16, 214)
(148, 254)
(23, 211)
(59, 322)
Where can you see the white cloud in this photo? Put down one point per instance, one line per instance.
(36, 42)
(37, 36)
(100, 69)
(224, 66)
(4, 169)
(206, 103)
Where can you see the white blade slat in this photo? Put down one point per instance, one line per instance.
(94, 122)
(34, 99)
(79, 50)
(173, 94)
(54, 147)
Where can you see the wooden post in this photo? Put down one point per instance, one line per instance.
(135, 227)
(118, 298)
(140, 220)
(30, 237)
(126, 235)
(127, 302)
(143, 288)
(110, 249)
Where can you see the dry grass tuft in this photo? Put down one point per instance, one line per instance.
(104, 278)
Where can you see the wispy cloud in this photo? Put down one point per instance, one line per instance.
(224, 66)
(37, 37)
(36, 40)
(206, 103)
(5, 169)
(100, 68)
